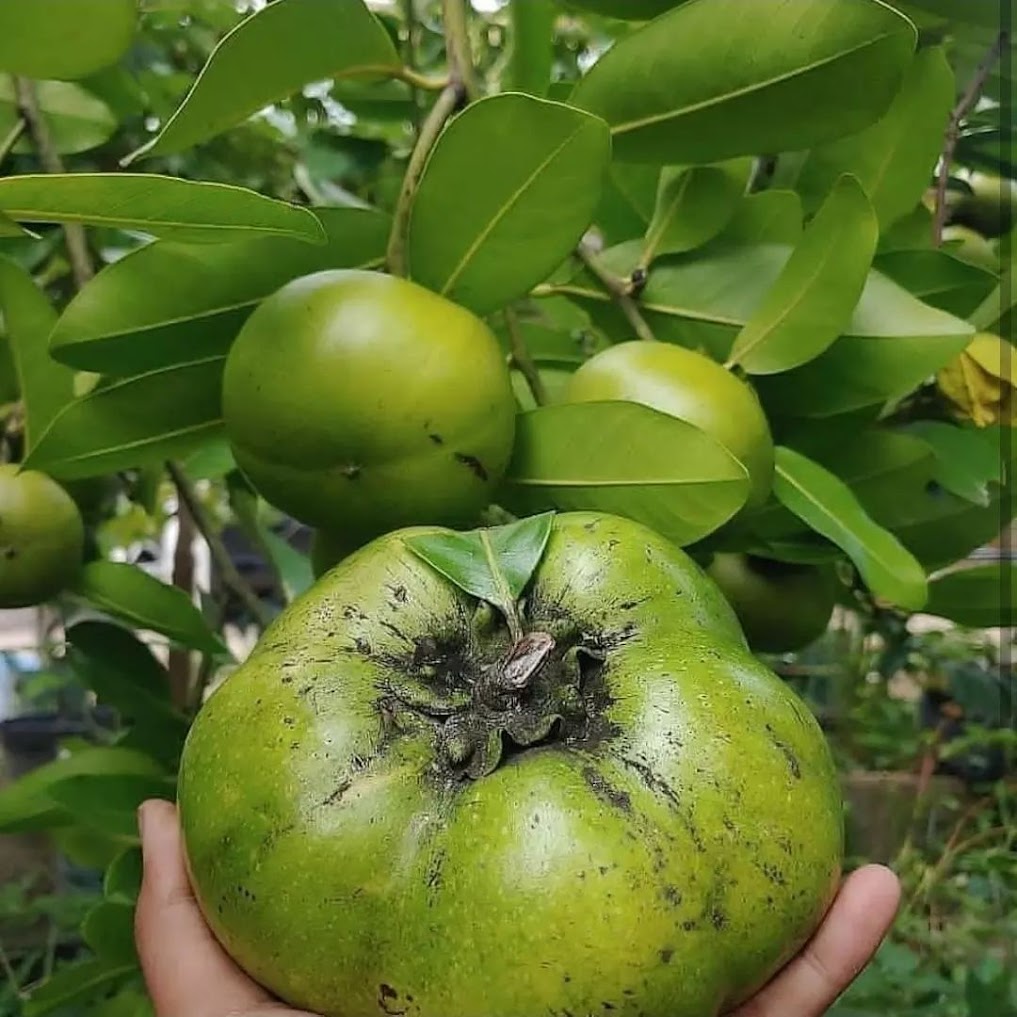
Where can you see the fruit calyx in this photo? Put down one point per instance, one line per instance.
(500, 693)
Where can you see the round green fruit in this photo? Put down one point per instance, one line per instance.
(359, 402)
(970, 246)
(41, 538)
(642, 820)
(690, 386)
(781, 607)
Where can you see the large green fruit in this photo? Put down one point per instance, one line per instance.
(690, 386)
(381, 817)
(41, 538)
(781, 606)
(360, 402)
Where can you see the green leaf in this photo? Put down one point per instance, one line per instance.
(680, 90)
(979, 596)
(108, 930)
(627, 459)
(483, 231)
(827, 505)
(64, 38)
(76, 983)
(124, 424)
(812, 301)
(294, 567)
(968, 459)
(128, 1002)
(494, 563)
(122, 880)
(938, 278)
(627, 201)
(693, 205)
(635, 10)
(770, 217)
(271, 55)
(109, 803)
(120, 324)
(532, 52)
(45, 386)
(9, 228)
(895, 158)
(196, 211)
(131, 595)
(997, 303)
(76, 119)
(124, 674)
(25, 803)
(975, 12)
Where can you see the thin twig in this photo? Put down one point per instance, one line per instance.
(227, 570)
(12, 137)
(179, 664)
(74, 233)
(409, 9)
(458, 48)
(430, 130)
(618, 288)
(522, 360)
(964, 106)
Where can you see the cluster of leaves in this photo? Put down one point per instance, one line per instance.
(607, 179)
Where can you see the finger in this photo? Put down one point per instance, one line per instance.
(853, 929)
(188, 974)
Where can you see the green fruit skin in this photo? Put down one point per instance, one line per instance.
(41, 538)
(781, 607)
(991, 209)
(360, 402)
(665, 866)
(692, 387)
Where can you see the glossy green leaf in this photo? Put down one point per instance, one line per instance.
(982, 596)
(25, 803)
(509, 189)
(635, 10)
(271, 55)
(938, 278)
(108, 930)
(195, 211)
(109, 802)
(627, 459)
(129, 594)
(122, 880)
(680, 90)
(9, 228)
(998, 303)
(145, 419)
(693, 205)
(770, 217)
(64, 38)
(627, 202)
(975, 12)
(827, 505)
(895, 158)
(812, 302)
(73, 984)
(494, 564)
(45, 386)
(532, 52)
(120, 324)
(128, 1002)
(968, 459)
(77, 120)
(294, 567)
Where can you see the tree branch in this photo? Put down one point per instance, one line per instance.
(458, 48)
(227, 570)
(619, 290)
(11, 138)
(183, 578)
(522, 360)
(444, 107)
(74, 233)
(964, 106)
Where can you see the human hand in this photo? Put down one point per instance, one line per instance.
(190, 975)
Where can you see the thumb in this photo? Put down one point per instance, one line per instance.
(187, 972)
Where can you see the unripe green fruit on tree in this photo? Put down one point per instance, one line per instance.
(691, 387)
(782, 607)
(41, 538)
(360, 402)
(992, 207)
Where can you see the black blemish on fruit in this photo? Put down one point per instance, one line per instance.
(336, 796)
(728, 824)
(786, 751)
(718, 918)
(397, 632)
(287, 679)
(629, 605)
(434, 873)
(689, 925)
(387, 997)
(289, 721)
(362, 645)
(672, 895)
(652, 781)
(437, 439)
(566, 978)
(399, 592)
(10, 553)
(773, 874)
(607, 1006)
(605, 791)
(666, 955)
(473, 464)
